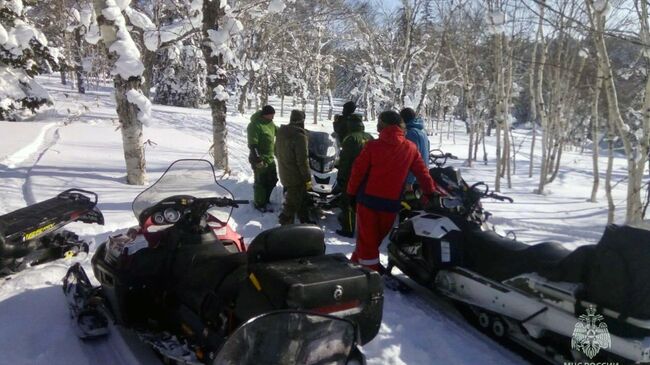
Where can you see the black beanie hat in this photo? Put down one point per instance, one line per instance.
(407, 114)
(390, 117)
(297, 117)
(349, 108)
(267, 109)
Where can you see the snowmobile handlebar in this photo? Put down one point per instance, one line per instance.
(436, 155)
(220, 202)
(499, 197)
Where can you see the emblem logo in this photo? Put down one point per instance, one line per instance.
(338, 292)
(589, 336)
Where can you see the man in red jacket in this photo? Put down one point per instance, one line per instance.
(376, 184)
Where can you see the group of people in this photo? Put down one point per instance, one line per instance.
(373, 175)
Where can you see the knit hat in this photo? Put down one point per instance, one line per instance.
(349, 108)
(390, 117)
(267, 109)
(297, 117)
(407, 114)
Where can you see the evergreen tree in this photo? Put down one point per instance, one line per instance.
(181, 81)
(23, 55)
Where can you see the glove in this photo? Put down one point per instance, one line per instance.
(431, 202)
(308, 185)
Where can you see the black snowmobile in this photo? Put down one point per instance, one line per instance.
(183, 286)
(590, 304)
(323, 158)
(32, 235)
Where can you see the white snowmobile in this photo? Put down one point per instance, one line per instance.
(323, 157)
(591, 304)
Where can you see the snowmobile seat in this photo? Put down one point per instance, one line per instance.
(287, 242)
(500, 258)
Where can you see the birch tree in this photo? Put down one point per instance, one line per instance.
(133, 108)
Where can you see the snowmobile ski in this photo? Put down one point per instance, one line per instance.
(87, 313)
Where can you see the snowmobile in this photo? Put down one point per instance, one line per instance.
(32, 235)
(587, 305)
(323, 157)
(184, 280)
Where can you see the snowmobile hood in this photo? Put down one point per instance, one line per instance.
(416, 123)
(392, 135)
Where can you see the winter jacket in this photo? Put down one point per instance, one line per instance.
(378, 174)
(261, 138)
(416, 134)
(342, 125)
(350, 149)
(291, 151)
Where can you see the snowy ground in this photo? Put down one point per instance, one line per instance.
(76, 144)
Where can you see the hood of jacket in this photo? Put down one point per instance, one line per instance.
(392, 135)
(416, 123)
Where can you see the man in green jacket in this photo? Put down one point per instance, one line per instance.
(293, 166)
(342, 122)
(350, 149)
(261, 143)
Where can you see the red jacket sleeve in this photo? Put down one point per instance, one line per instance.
(419, 169)
(360, 168)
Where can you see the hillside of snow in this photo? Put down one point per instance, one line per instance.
(77, 144)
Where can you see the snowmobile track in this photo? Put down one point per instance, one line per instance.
(424, 299)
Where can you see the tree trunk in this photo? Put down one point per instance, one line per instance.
(216, 76)
(78, 60)
(594, 135)
(539, 97)
(611, 208)
(634, 205)
(131, 126)
(149, 61)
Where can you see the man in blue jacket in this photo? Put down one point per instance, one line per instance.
(415, 133)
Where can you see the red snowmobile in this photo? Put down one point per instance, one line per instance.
(183, 281)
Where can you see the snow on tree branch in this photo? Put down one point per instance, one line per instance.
(128, 63)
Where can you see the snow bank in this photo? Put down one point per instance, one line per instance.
(28, 135)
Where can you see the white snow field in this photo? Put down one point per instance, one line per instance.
(76, 144)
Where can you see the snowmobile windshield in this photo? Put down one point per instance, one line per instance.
(193, 178)
(322, 144)
(291, 338)
(323, 151)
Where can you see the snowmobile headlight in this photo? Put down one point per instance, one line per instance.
(314, 163)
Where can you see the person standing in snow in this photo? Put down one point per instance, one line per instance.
(376, 184)
(261, 143)
(341, 122)
(415, 133)
(293, 166)
(350, 149)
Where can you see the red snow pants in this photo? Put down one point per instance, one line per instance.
(372, 227)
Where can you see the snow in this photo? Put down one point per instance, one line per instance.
(139, 19)
(144, 105)
(87, 153)
(276, 6)
(25, 140)
(15, 5)
(220, 93)
(3, 35)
